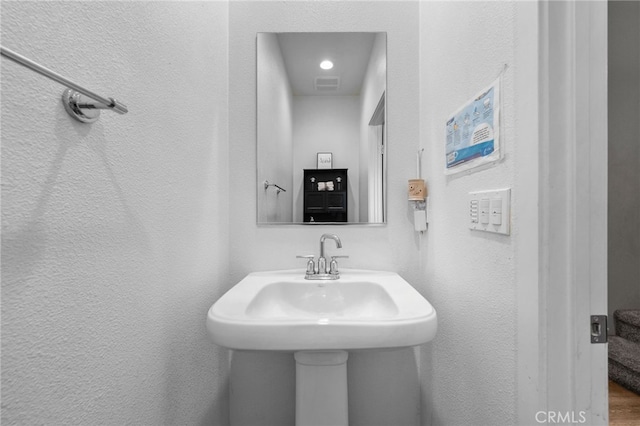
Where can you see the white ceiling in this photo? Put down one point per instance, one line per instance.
(303, 52)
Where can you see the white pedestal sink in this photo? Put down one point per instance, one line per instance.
(320, 321)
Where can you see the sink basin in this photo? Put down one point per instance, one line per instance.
(280, 310)
(307, 300)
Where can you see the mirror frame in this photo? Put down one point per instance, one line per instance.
(263, 185)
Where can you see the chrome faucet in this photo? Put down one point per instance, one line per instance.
(319, 271)
(322, 261)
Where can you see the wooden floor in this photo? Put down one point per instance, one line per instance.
(624, 406)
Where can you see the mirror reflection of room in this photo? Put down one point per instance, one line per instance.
(321, 127)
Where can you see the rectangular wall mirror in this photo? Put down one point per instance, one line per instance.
(321, 130)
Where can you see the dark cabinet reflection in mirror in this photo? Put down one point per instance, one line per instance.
(325, 195)
(304, 109)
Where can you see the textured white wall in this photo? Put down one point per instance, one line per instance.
(375, 396)
(326, 124)
(116, 237)
(275, 109)
(114, 234)
(478, 281)
(624, 155)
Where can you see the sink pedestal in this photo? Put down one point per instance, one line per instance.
(321, 388)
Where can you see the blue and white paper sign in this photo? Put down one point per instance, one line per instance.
(472, 133)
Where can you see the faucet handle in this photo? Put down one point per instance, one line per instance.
(310, 263)
(333, 266)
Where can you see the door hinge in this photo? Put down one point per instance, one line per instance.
(598, 329)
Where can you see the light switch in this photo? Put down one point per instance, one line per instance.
(484, 210)
(489, 211)
(474, 213)
(496, 211)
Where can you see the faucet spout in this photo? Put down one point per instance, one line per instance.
(333, 237)
(320, 270)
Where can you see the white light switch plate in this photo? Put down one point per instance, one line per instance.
(490, 211)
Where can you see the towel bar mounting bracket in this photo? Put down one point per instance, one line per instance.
(81, 107)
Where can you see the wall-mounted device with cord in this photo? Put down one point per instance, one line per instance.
(418, 197)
